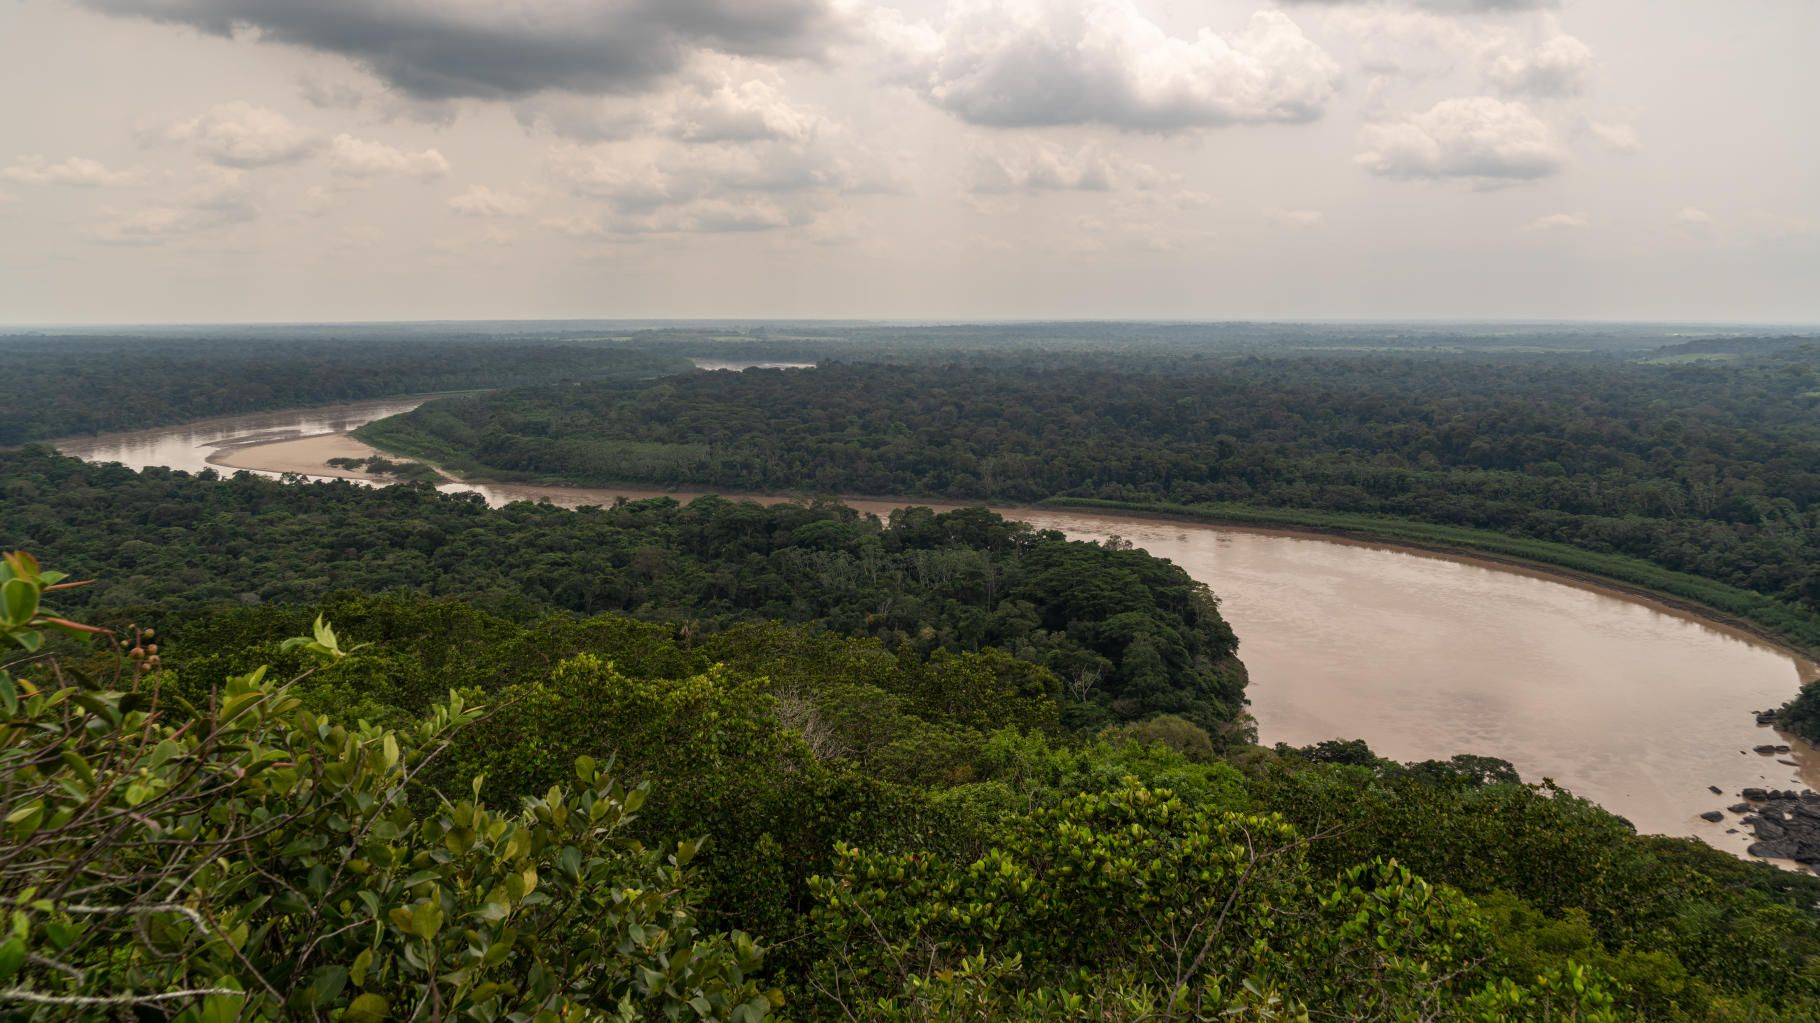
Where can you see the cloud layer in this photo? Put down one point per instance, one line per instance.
(81, 171)
(242, 135)
(1029, 63)
(1478, 139)
(442, 49)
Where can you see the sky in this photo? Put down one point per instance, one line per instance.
(330, 160)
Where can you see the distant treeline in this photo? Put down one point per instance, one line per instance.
(1708, 469)
(61, 386)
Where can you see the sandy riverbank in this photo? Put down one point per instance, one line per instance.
(308, 456)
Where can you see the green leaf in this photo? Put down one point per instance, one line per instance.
(18, 601)
(326, 984)
(12, 956)
(24, 820)
(368, 1008)
(221, 1009)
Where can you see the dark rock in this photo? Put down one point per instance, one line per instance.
(1740, 808)
(1788, 763)
(1767, 751)
(1715, 790)
(1755, 795)
(1772, 850)
(1713, 815)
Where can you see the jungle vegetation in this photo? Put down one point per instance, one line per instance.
(323, 751)
(87, 384)
(1663, 474)
(400, 807)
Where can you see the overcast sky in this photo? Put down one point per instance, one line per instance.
(230, 160)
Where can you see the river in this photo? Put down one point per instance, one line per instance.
(1637, 706)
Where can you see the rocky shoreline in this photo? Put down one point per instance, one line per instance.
(1786, 823)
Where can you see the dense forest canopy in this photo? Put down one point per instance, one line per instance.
(385, 753)
(1705, 468)
(94, 384)
(94, 380)
(814, 827)
(1129, 635)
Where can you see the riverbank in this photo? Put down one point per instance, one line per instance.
(306, 456)
(1735, 610)
(1424, 652)
(1616, 574)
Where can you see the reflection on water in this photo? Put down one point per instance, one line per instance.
(740, 366)
(188, 446)
(1634, 706)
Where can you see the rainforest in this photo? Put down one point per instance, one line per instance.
(305, 748)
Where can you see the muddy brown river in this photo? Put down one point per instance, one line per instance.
(1634, 705)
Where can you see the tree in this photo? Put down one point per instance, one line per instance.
(248, 859)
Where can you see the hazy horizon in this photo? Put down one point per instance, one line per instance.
(653, 322)
(1322, 161)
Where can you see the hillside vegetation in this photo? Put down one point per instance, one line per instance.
(426, 811)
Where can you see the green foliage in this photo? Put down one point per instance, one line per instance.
(1802, 714)
(1131, 904)
(1177, 733)
(1144, 636)
(23, 620)
(97, 383)
(253, 860)
(1661, 475)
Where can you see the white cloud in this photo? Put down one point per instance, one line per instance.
(1558, 66)
(240, 134)
(1045, 167)
(1296, 218)
(728, 109)
(657, 186)
(75, 170)
(481, 201)
(722, 100)
(1029, 63)
(1557, 222)
(694, 216)
(1620, 137)
(1440, 6)
(218, 200)
(585, 118)
(1478, 139)
(1693, 216)
(362, 158)
(1413, 44)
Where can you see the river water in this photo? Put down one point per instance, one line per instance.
(1636, 706)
